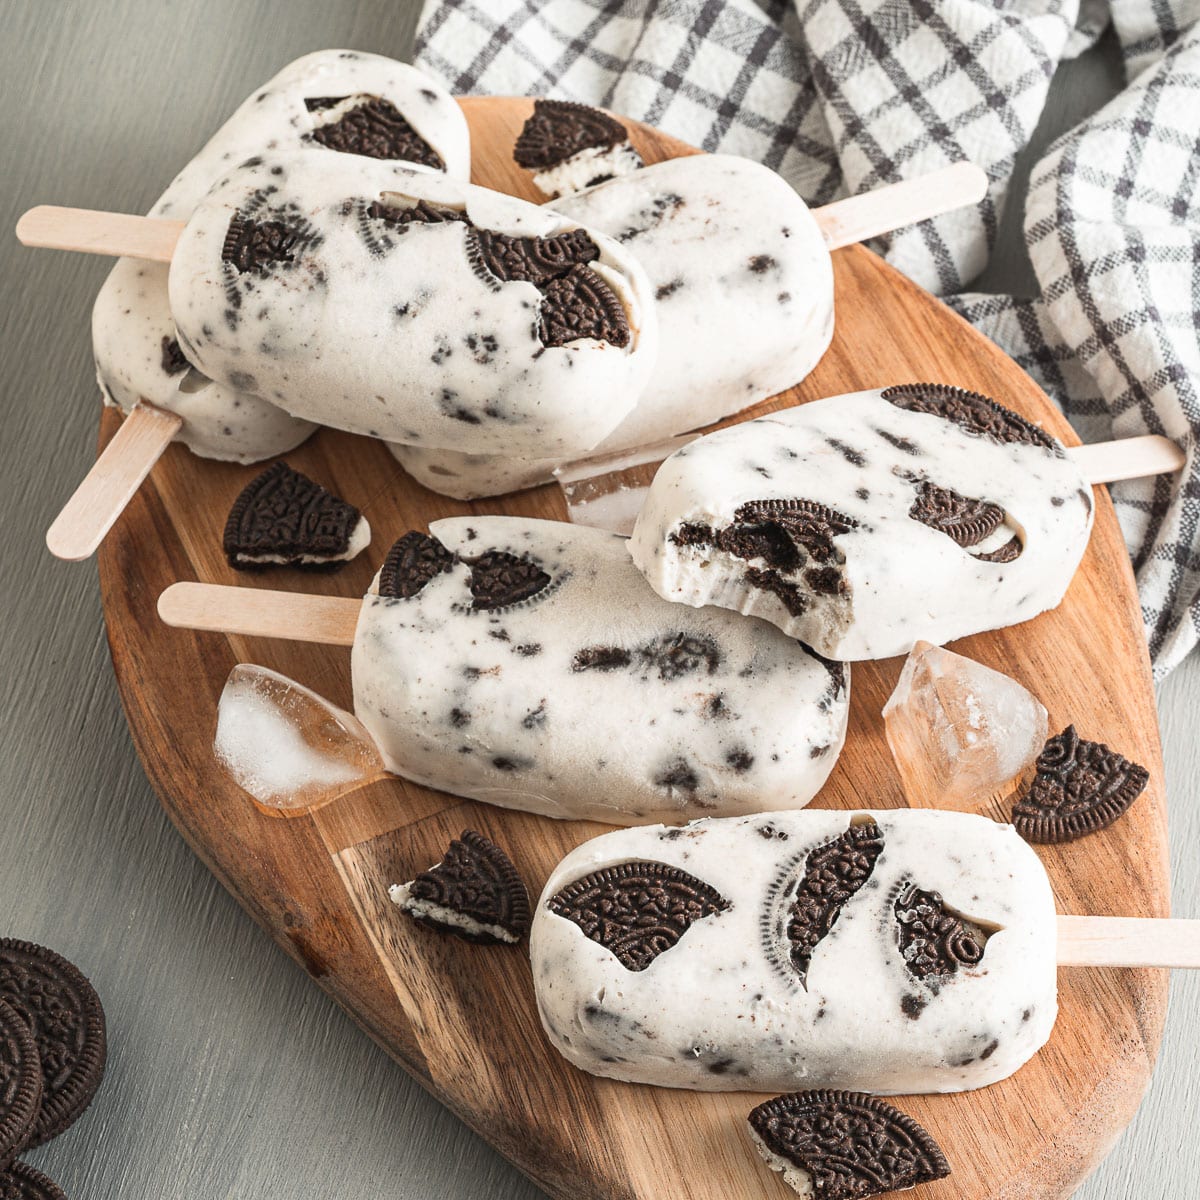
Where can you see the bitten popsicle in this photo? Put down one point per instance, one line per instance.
(743, 284)
(861, 524)
(527, 664)
(411, 307)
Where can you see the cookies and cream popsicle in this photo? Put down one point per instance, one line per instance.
(885, 952)
(526, 663)
(743, 287)
(333, 103)
(864, 523)
(411, 307)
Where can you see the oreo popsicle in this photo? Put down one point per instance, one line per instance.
(743, 288)
(411, 307)
(886, 952)
(331, 103)
(864, 523)
(526, 663)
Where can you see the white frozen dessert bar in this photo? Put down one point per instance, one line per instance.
(526, 663)
(864, 523)
(334, 103)
(572, 146)
(743, 286)
(886, 952)
(412, 307)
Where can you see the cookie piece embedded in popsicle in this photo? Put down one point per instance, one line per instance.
(862, 524)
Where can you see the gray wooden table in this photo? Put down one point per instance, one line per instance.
(230, 1074)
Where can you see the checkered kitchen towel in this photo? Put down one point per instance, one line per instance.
(843, 95)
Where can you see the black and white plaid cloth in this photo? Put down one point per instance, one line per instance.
(844, 95)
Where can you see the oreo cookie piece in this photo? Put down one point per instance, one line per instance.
(66, 1019)
(500, 580)
(422, 213)
(833, 873)
(173, 358)
(1079, 787)
(935, 941)
(253, 247)
(637, 910)
(283, 518)
(374, 128)
(963, 519)
(972, 412)
(571, 146)
(20, 1084)
(474, 893)
(23, 1182)
(535, 260)
(832, 1145)
(579, 305)
(411, 563)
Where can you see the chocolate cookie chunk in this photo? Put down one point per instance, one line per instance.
(474, 893)
(411, 563)
(377, 129)
(845, 1145)
(833, 873)
(500, 580)
(964, 520)
(1079, 787)
(976, 414)
(535, 260)
(637, 910)
(935, 941)
(254, 246)
(421, 213)
(173, 360)
(23, 1182)
(20, 1084)
(283, 518)
(559, 129)
(579, 305)
(66, 1019)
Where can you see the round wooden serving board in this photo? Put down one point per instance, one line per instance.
(461, 1018)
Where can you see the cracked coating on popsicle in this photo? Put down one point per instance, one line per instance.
(928, 530)
(132, 321)
(723, 1010)
(849, 1145)
(527, 663)
(1079, 787)
(935, 941)
(637, 910)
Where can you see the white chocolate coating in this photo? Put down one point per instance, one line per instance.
(708, 713)
(391, 330)
(901, 581)
(132, 314)
(744, 291)
(723, 1008)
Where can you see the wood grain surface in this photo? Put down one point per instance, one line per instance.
(461, 1020)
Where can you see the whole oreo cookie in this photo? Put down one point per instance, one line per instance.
(844, 1145)
(66, 1019)
(23, 1182)
(1079, 787)
(20, 1083)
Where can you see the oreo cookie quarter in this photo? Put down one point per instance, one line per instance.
(66, 1019)
(23, 1182)
(20, 1084)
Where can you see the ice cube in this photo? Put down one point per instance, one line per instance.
(287, 746)
(959, 731)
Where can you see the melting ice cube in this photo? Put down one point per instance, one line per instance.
(287, 746)
(959, 730)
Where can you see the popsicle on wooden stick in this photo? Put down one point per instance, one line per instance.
(515, 661)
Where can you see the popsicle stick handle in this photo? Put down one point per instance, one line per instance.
(1128, 458)
(90, 232)
(1128, 942)
(258, 613)
(860, 218)
(109, 486)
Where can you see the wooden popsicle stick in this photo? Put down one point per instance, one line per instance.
(255, 612)
(88, 231)
(1128, 458)
(1128, 942)
(859, 218)
(109, 486)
